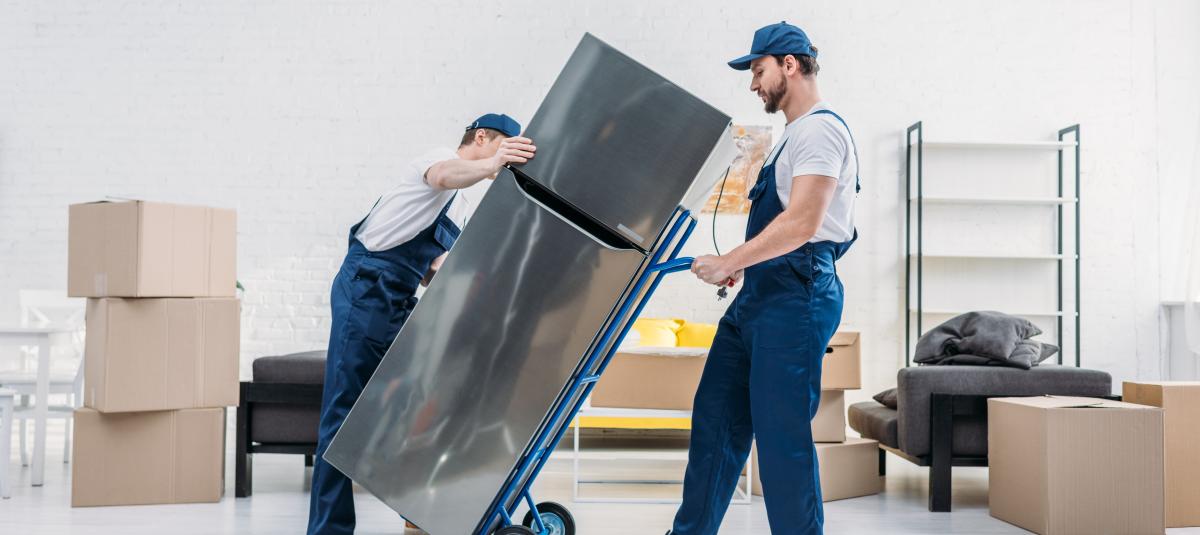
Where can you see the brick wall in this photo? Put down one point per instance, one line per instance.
(299, 113)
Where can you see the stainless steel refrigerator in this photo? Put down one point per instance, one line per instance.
(538, 272)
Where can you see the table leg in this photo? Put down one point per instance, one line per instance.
(6, 418)
(40, 412)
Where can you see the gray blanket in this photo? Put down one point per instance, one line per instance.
(984, 338)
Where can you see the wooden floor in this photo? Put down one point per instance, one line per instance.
(280, 506)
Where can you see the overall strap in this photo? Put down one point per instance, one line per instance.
(854, 147)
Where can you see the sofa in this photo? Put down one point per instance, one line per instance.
(279, 412)
(940, 419)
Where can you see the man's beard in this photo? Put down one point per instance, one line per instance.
(775, 96)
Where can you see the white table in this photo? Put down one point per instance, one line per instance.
(40, 337)
(743, 495)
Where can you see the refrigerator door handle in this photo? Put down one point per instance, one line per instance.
(571, 215)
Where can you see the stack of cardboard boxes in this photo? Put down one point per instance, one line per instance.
(849, 466)
(161, 356)
(1087, 465)
(644, 380)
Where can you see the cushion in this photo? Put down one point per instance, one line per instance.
(696, 334)
(874, 421)
(979, 336)
(915, 384)
(276, 423)
(657, 332)
(302, 368)
(273, 423)
(887, 398)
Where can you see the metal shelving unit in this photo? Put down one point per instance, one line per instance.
(1068, 142)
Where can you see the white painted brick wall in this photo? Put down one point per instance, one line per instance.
(298, 113)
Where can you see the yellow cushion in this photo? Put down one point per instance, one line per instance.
(696, 334)
(657, 332)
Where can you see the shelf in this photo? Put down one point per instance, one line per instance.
(1016, 201)
(1043, 313)
(1003, 145)
(990, 256)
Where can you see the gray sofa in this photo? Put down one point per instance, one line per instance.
(279, 411)
(941, 415)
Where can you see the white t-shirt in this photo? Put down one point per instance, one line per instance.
(820, 145)
(411, 206)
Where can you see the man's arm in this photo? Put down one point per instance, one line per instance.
(459, 174)
(798, 223)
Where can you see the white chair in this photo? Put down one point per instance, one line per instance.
(6, 419)
(41, 308)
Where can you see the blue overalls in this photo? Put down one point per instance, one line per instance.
(373, 294)
(762, 381)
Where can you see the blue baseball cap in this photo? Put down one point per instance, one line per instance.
(497, 121)
(776, 40)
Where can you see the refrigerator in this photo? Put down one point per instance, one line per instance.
(552, 250)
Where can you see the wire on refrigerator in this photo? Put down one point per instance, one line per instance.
(717, 209)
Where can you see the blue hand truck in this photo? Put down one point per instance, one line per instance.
(550, 518)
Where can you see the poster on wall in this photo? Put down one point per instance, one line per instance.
(753, 144)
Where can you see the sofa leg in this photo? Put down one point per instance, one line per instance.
(882, 462)
(941, 408)
(243, 467)
(308, 461)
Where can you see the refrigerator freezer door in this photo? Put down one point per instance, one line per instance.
(474, 371)
(620, 142)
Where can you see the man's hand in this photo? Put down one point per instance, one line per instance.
(513, 150)
(713, 269)
(433, 268)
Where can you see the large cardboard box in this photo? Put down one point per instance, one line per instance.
(848, 470)
(1064, 465)
(841, 369)
(148, 457)
(1180, 402)
(148, 249)
(160, 354)
(648, 380)
(666, 378)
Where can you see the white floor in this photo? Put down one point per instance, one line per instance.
(280, 506)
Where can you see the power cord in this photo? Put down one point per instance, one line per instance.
(721, 293)
(716, 210)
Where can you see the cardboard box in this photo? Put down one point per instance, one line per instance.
(650, 381)
(1180, 402)
(147, 249)
(848, 470)
(829, 425)
(1062, 465)
(148, 457)
(668, 380)
(160, 354)
(841, 369)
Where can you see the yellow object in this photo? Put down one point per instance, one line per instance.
(657, 332)
(623, 422)
(696, 334)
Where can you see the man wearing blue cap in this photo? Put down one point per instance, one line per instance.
(762, 379)
(392, 251)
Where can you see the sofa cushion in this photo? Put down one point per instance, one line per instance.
(657, 332)
(302, 368)
(275, 423)
(874, 421)
(915, 384)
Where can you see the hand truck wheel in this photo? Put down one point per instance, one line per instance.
(555, 517)
(513, 530)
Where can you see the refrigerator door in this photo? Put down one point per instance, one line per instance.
(472, 374)
(612, 131)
